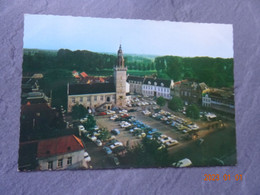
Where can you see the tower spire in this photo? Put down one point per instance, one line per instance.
(120, 57)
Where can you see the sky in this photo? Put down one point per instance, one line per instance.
(147, 37)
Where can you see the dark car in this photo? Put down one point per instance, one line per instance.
(107, 150)
(132, 110)
(111, 142)
(115, 132)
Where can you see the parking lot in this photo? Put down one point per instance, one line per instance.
(144, 115)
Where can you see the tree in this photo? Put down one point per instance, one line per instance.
(104, 135)
(147, 154)
(90, 123)
(160, 101)
(78, 111)
(193, 111)
(175, 104)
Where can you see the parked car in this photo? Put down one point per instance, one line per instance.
(111, 138)
(102, 114)
(107, 150)
(111, 142)
(87, 157)
(92, 138)
(165, 140)
(114, 117)
(132, 110)
(171, 143)
(115, 131)
(96, 127)
(146, 112)
(183, 163)
(123, 111)
(115, 160)
(116, 144)
(81, 128)
(98, 142)
(83, 120)
(111, 112)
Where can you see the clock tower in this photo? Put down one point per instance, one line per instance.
(120, 79)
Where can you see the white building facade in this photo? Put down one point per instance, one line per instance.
(157, 88)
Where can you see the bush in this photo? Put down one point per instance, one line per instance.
(175, 104)
(90, 123)
(78, 111)
(193, 111)
(160, 101)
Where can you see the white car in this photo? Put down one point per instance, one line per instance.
(96, 128)
(111, 112)
(115, 145)
(171, 143)
(155, 115)
(183, 163)
(165, 140)
(123, 111)
(83, 120)
(87, 157)
(146, 112)
(114, 117)
(164, 118)
(124, 124)
(98, 142)
(93, 138)
(81, 128)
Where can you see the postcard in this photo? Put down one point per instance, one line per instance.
(102, 93)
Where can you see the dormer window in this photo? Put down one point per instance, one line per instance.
(162, 84)
(149, 82)
(155, 83)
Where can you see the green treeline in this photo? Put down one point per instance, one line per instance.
(215, 72)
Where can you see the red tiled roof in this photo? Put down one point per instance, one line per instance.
(58, 146)
(74, 71)
(83, 74)
(77, 76)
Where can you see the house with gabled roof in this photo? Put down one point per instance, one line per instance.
(66, 152)
(135, 84)
(157, 87)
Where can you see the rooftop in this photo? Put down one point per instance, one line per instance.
(58, 146)
(158, 82)
(94, 88)
(135, 78)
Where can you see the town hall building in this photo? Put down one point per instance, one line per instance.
(101, 95)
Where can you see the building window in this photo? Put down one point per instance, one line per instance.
(95, 98)
(81, 99)
(73, 100)
(101, 98)
(50, 165)
(60, 163)
(69, 161)
(88, 98)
